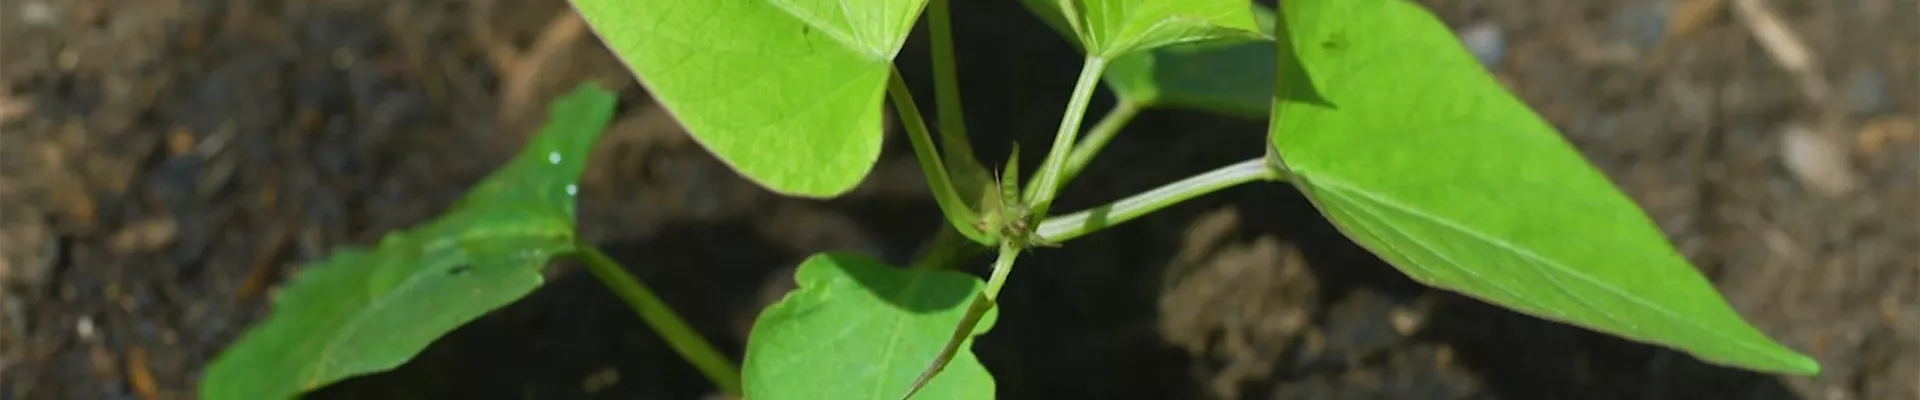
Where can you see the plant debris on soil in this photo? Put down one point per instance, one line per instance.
(167, 164)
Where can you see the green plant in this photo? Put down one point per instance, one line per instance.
(1377, 114)
(362, 311)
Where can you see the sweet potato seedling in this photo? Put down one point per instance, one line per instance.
(1376, 112)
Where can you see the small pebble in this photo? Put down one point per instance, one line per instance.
(1816, 161)
(1641, 25)
(84, 328)
(1486, 42)
(1406, 321)
(38, 13)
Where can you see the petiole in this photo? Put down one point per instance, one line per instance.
(1066, 227)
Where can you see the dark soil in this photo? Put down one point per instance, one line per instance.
(167, 163)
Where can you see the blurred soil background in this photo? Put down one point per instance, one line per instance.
(166, 164)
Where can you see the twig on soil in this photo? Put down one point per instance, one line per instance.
(1782, 44)
(1689, 17)
(413, 53)
(1786, 48)
(500, 53)
(520, 80)
(1812, 155)
(138, 376)
(261, 269)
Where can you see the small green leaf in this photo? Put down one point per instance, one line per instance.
(860, 329)
(1109, 29)
(360, 311)
(1408, 145)
(1230, 76)
(787, 92)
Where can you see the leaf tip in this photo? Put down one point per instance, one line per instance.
(1778, 361)
(1801, 364)
(589, 91)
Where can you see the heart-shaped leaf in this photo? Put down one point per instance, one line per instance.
(860, 329)
(1109, 29)
(1230, 76)
(1408, 145)
(787, 92)
(361, 311)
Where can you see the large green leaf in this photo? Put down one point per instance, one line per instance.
(787, 92)
(1229, 76)
(361, 311)
(860, 329)
(1109, 29)
(1414, 151)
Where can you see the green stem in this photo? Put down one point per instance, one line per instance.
(1001, 268)
(959, 215)
(946, 83)
(1102, 133)
(975, 310)
(1041, 191)
(681, 337)
(968, 175)
(1066, 227)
